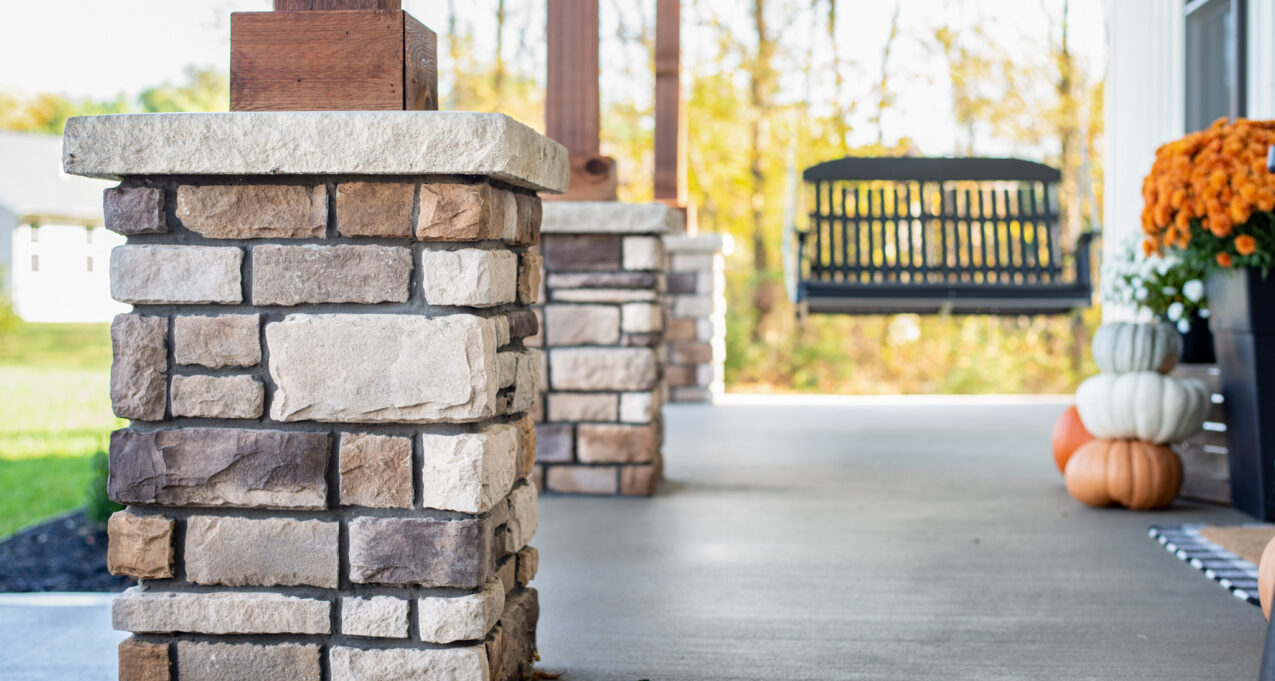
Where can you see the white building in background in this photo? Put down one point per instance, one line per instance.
(54, 252)
(1175, 66)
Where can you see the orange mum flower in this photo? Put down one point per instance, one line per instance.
(1224, 259)
(1245, 244)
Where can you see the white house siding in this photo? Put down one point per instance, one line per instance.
(62, 274)
(1261, 58)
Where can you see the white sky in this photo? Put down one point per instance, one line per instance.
(102, 48)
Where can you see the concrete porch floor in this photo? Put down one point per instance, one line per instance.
(911, 538)
(908, 539)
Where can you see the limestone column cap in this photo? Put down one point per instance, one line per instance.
(704, 242)
(609, 217)
(490, 145)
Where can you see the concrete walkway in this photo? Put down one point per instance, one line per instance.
(815, 539)
(876, 539)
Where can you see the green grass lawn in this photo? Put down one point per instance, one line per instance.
(55, 412)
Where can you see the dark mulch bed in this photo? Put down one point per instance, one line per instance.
(66, 553)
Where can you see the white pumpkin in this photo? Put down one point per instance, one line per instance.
(1123, 347)
(1142, 406)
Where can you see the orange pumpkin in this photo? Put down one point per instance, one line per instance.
(1266, 578)
(1130, 473)
(1069, 435)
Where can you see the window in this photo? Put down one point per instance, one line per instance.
(35, 234)
(1215, 61)
(90, 264)
(35, 263)
(88, 236)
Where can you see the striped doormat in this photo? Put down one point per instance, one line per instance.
(1234, 573)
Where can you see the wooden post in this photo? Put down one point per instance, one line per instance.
(343, 55)
(670, 128)
(572, 106)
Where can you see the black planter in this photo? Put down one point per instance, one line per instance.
(1197, 344)
(1242, 306)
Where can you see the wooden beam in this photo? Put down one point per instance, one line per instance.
(303, 5)
(572, 113)
(670, 125)
(343, 60)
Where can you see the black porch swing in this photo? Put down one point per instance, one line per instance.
(937, 235)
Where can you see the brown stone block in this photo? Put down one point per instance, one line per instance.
(254, 211)
(639, 480)
(376, 470)
(607, 443)
(555, 442)
(679, 376)
(527, 451)
(220, 467)
(381, 209)
(522, 613)
(681, 283)
(529, 265)
(529, 216)
(140, 546)
(679, 329)
(692, 353)
(459, 212)
(139, 388)
(142, 661)
(605, 280)
(507, 573)
(217, 341)
(570, 479)
(420, 551)
(582, 252)
(528, 565)
(134, 210)
(524, 323)
(495, 645)
(641, 340)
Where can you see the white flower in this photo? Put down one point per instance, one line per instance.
(1175, 311)
(1184, 326)
(1140, 294)
(1202, 313)
(1166, 264)
(1169, 291)
(1193, 290)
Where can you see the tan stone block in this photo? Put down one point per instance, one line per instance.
(293, 275)
(218, 397)
(254, 211)
(376, 368)
(537, 477)
(375, 617)
(262, 552)
(641, 317)
(469, 472)
(643, 253)
(376, 470)
(637, 407)
(148, 275)
(529, 267)
(142, 661)
(639, 480)
(199, 661)
(583, 406)
(139, 367)
(468, 663)
(447, 619)
(581, 325)
(528, 565)
(615, 296)
(217, 341)
(381, 209)
(606, 443)
(140, 546)
(527, 450)
(472, 277)
(625, 369)
(569, 479)
(159, 612)
(524, 516)
(527, 381)
(459, 212)
(507, 573)
(679, 329)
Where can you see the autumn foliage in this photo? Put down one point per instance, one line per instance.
(1209, 195)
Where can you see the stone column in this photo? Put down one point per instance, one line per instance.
(695, 331)
(326, 470)
(600, 430)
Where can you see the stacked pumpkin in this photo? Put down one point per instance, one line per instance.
(1133, 411)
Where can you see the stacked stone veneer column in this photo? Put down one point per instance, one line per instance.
(326, 470)
(695, 323)
(600, 430)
